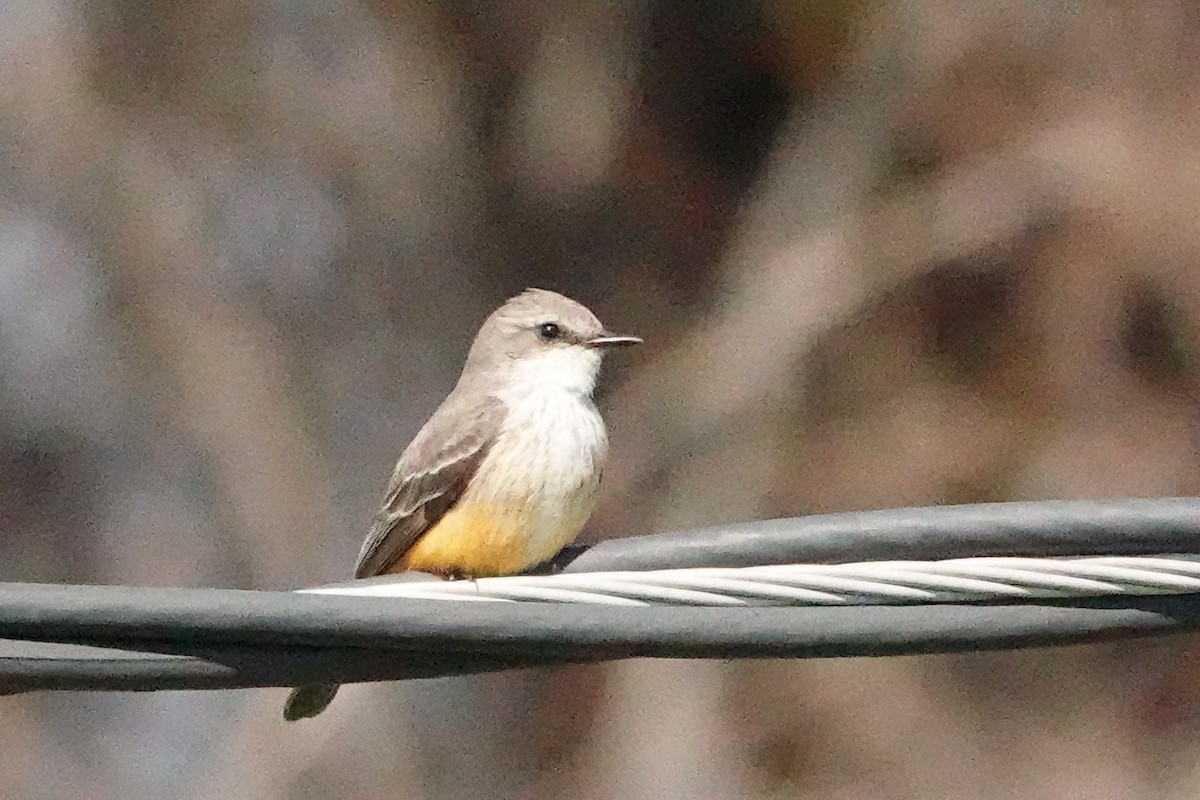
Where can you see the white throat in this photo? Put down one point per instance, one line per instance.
(571, 369)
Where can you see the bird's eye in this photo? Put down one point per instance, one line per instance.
(548, 331)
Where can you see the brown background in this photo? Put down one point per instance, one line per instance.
(882, 254)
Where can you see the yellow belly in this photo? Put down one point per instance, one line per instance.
(475, 540)
(528, 499)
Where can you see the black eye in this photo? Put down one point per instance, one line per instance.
(548, 331)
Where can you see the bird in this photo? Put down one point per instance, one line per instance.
(506, 471)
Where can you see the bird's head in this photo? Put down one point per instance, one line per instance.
(542, 339)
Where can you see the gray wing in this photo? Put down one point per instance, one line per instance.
(429, 479)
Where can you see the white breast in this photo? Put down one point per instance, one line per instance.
(547, 457)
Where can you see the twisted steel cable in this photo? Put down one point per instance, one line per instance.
(1057, 573)
(865, 583)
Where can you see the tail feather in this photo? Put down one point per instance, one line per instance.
(308, 701)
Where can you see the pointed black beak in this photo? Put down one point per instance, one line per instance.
(607, 339)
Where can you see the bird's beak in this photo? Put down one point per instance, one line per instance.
(607, 339)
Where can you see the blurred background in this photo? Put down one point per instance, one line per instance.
(882, 253)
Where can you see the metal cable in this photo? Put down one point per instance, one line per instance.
(1036, 530)
(130, 638)
(866, 583)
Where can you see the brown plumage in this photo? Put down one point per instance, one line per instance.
(505, 472)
